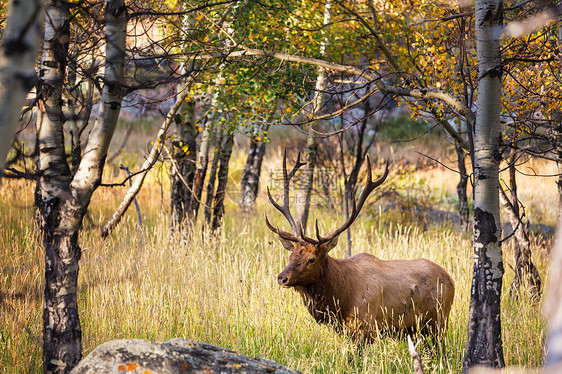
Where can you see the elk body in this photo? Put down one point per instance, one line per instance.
(363, 293)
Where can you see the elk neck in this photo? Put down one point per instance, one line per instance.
(327, 298)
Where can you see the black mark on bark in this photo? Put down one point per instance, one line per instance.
(485, 224)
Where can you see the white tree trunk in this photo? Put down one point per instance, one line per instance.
(18, 54)
(201, 168)
(210, 128)
(305, 192)
(222, 176)
(62, 336)
(484, 345)
(62, 203)
(213, 176)
(52, 166)
(249, 183)
(88, 176)
(182, 171)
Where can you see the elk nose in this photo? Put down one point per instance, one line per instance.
(282, 279)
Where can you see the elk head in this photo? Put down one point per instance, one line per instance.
(309, 255)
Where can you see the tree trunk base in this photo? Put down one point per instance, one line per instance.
(62, 335)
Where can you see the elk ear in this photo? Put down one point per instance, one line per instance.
(327, 247)
(287, 244)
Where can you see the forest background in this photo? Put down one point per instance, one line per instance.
(200, 100)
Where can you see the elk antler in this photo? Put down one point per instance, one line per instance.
(369, 187)
(285, 208)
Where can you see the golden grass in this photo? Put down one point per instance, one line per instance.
(222, 290)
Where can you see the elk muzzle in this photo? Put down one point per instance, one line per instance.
(283, 279)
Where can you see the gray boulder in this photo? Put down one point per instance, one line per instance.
(171, 357)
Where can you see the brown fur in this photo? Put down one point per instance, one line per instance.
(367, 294)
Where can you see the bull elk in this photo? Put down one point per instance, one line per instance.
(363, 293)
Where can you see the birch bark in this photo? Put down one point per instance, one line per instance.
(183, 170)
(18, 53)
(201, 168)
(461, 189)
(183, 194)
(88, 176)
(305, 192)
(203, 157)
(213, 176)
(249, 183)
(62, 334)
(218, 206)
(484, 345)
(62, 200)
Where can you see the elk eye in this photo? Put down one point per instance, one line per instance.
(311, 261)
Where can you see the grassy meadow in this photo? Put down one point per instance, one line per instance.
(222, 289)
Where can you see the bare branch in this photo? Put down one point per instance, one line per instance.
(152, 157)
(420, 93)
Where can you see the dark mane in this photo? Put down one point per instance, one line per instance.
(321, 297)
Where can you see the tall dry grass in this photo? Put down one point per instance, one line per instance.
(222, 289)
